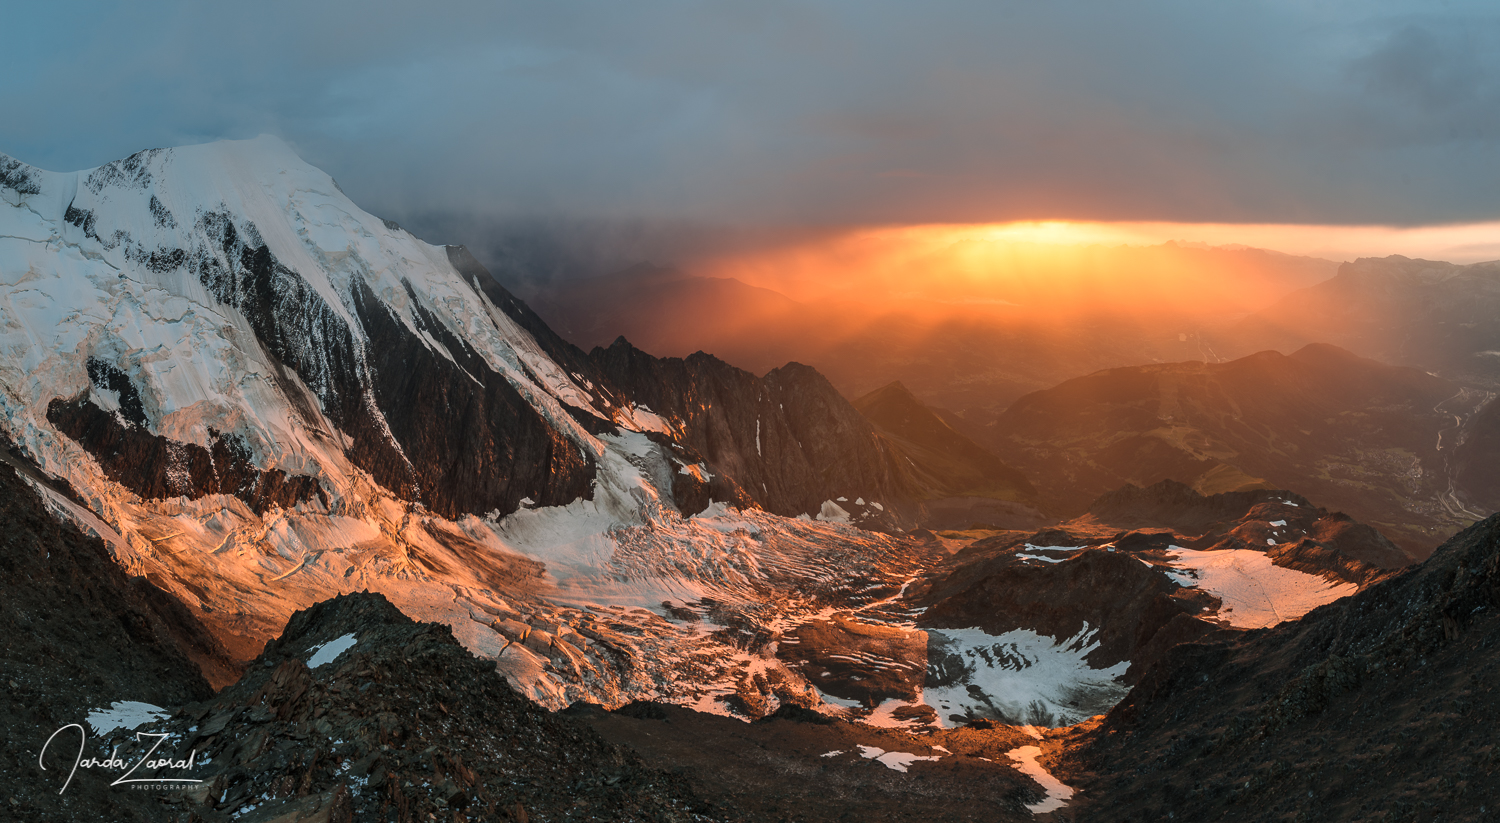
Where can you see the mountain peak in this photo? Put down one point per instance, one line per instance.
(892, 391)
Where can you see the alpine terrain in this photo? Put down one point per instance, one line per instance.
(360, 537)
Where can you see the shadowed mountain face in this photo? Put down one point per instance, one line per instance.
(787, 441)
(1379, 706)
(1349, 433)
(961, 483)
(947, 462)
(76, 634)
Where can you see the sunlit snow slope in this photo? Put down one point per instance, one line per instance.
(264, 396)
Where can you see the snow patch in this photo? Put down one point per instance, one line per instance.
(896, 761)
(1256, 592)
(1018, 677)
(641, 418)
(125, 714)
(325, 653)
(1058, 794)
(832, 512)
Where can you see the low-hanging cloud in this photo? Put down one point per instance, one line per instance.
(797, 113)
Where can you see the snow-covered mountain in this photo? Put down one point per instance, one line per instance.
(261, 396)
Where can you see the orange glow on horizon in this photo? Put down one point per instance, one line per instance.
(1052, 264)
(1052, 288)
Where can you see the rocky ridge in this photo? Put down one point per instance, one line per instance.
(1378, 706)
(958, 481)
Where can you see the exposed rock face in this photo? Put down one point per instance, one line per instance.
(789, 440)
(471, 443)
(293, 322)
(1382, 704)
(836, 653)
(156, 467)
(1353, 434)
(1475, 471)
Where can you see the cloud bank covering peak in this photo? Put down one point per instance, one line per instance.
(799, 113)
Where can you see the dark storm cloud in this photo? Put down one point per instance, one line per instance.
(797, 112)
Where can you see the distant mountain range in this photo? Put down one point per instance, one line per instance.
(973, 357)
(1347, 432)
(1436, 316)
(1410, 455)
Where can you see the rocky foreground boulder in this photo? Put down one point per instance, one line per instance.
(358, 712)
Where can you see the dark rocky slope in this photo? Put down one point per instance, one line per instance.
(802, 767)
(404, 725)
(1241, 520)
(1474, 470)
(471, 446)
(1381, 706)
(960, 482)
(76, 634)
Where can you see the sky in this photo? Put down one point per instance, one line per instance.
(701, 122)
